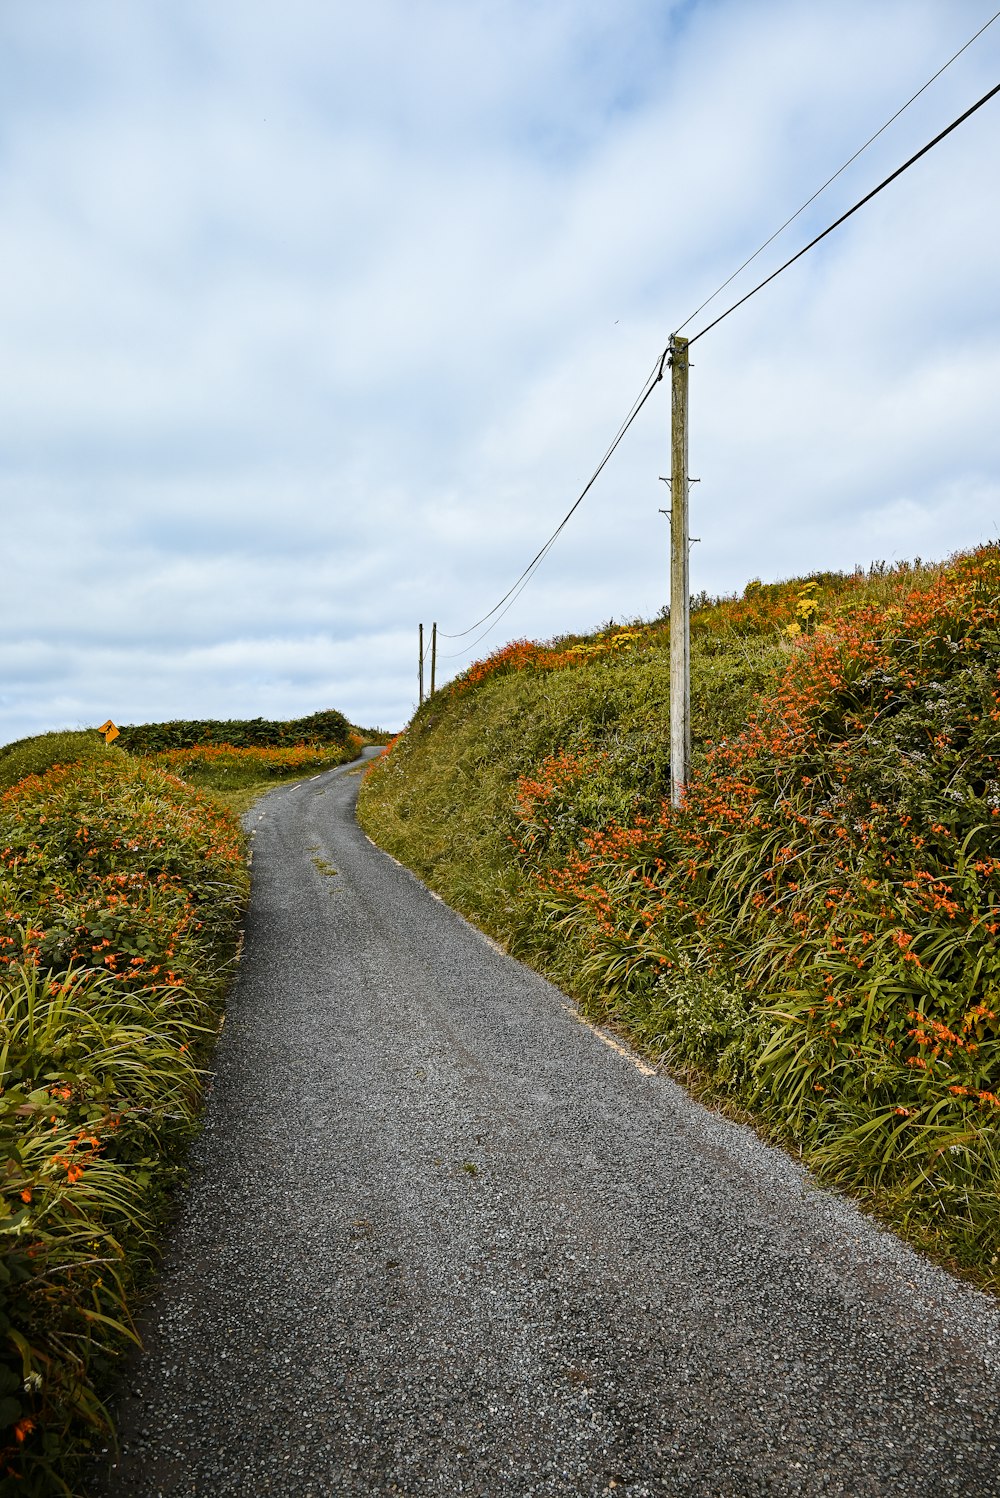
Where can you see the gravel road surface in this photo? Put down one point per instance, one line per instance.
(444, 1238)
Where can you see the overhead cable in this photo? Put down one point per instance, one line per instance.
(844, 216)
(850, 160)
(499, 609)
(649, 385)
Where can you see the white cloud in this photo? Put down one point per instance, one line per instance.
(315, 322)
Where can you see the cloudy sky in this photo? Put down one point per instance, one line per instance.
(316, 316)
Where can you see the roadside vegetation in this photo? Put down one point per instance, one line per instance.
(36, 755)
(123, 882)
(235, 777)
(329, 729)
(811, 939)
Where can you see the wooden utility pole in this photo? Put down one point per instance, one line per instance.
(421, 667)
(434, 655)
(680, 587)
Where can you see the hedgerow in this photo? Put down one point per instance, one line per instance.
(121, 892)
(329, 727)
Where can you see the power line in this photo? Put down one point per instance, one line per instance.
(844, 216)
(750, 259)
(649, 385)
(513, 593)
(633, 412)
(653, 379)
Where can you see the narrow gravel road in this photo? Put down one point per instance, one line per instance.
(443, 1239)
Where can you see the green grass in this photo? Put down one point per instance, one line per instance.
(33, 756)
(443, 803)
(122, 887)
(811, 942)
(121, 897)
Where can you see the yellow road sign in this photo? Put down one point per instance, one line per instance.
(109, 731)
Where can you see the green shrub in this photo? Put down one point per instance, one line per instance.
(329, 727)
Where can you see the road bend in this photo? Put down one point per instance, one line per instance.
(444, 1238)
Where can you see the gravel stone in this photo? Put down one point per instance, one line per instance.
(441, 1239)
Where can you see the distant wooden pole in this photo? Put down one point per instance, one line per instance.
(421, 667)
(680, 579)
(434, 654)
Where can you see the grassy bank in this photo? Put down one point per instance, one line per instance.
(121, 893)
(122, 886)
(812, 937)
(36, 755)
